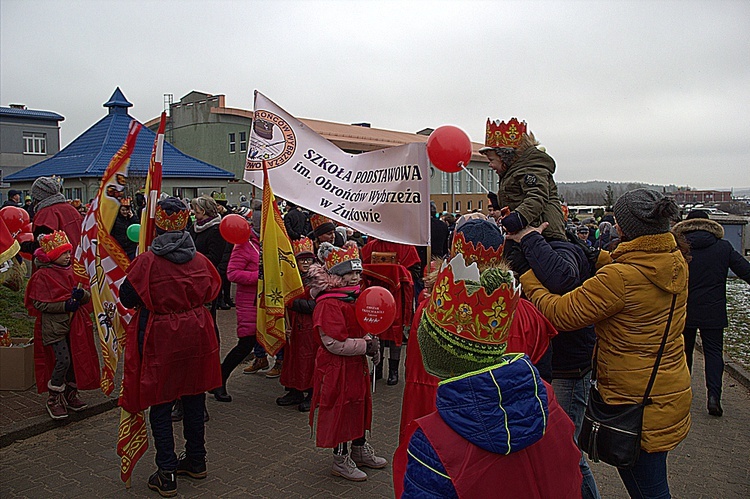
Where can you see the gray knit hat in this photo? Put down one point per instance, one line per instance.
(44, 187)
(642, 212)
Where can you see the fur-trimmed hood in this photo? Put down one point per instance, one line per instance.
(713, 228)
(321, 280)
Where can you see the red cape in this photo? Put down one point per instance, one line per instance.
(548, 468)
(180, 350)
(51, 285)
(341, 388)
(300, 351)
(61, 216)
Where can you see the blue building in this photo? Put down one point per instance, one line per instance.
(82, 163)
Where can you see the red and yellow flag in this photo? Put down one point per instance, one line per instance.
(279, 281)
(152, 189)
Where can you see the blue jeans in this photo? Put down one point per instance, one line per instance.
(648, 478)
(573, 395)
(260, 352)
(193, 429)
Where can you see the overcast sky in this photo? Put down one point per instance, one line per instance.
(650, 91)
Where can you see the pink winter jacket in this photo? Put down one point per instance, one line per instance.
(243, 270)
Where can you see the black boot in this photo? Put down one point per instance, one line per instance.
(305, 404)
(379, 370)
(292, 397)
(164, 482)
(221, 394)
(714, 406)
(392, 372)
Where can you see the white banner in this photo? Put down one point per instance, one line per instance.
(383, 193)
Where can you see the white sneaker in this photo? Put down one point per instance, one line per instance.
(364, 455)
(344, 467)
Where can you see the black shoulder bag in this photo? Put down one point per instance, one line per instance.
(612, 433)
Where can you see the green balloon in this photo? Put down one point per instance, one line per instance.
(134, 232)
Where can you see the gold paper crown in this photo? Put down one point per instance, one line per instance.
(484, 257)
(303, 245)
(316, 220)
(501, 134)
(175, 221)
(340, 255)
(55, 244)
(471, 316)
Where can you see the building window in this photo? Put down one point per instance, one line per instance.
(480, 205)
(469, 182)
(72, 193)
(456, 183)
(232, 143)
(458, 206)
(468, 205)
(445, 206)
(445, 183)
(34, 143)
(243, 141)
(480, 177)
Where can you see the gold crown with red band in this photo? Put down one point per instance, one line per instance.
(175, 221)
(303, 246)
(55, 244)
(475, 253)
(473, 319)
(341, 255)
(501, 134)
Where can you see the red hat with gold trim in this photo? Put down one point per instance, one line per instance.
(321, 225)
(55, 244)
(466, 322)
(171, 214)
(340, 261)
(502, 134)
(303, 247)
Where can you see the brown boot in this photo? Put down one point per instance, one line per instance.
(258, 364)
(72, 400)
(56, 401)
(275, 372)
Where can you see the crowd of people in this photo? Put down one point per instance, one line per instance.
(507, 323)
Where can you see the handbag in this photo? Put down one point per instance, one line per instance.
(612, 432)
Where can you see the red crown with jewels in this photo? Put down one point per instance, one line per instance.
(175, 221)
(340, 255)
(484, 257)
(303, 246)
(501, 134)
(316, 220)
(474, 316)
(55, 244)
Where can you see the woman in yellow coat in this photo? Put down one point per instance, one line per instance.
(628, 301)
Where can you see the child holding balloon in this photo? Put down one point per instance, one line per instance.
(341, 383)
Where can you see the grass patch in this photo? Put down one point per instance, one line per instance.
(13, 314)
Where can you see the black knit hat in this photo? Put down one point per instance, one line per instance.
(642, 212)
(697, 214)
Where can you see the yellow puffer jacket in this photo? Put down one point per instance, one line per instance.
(628, 301)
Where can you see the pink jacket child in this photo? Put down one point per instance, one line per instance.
(242, 270)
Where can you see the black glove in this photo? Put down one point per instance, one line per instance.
(516, 259)
(513, 222)
(373, 345)
(77, 294)
(72, 305)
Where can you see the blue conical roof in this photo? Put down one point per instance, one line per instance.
(90, 153)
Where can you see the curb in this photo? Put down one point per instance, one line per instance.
(40, 424)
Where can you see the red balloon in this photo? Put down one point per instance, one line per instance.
(375, 309)
(235, 229)
(15, 218)
(24, 237)
(27, 228)
(449, 148)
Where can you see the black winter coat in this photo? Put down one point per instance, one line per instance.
(712, 257)
(562, 266)
(210, 244)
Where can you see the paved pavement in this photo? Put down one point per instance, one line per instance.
(256, 448)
